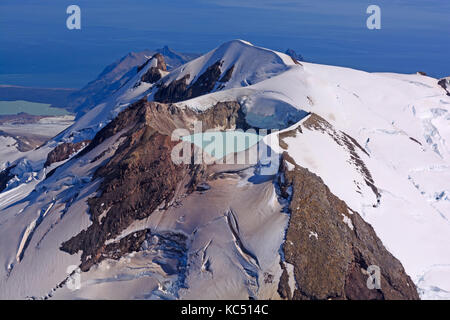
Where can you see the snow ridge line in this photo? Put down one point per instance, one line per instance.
(29, 231)
(249, 260)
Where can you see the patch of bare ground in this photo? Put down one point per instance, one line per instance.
(64, 151)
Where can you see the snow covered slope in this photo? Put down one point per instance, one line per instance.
(379, 141)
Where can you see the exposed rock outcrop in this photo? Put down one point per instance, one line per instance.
(179, 90)
(64, 151)
(160, 62)
(154, 74)
(174, 91)
(445, 84)
(205, 82)
(136, 181)
(331, 246)
(315, 122)
(227, 75)
(5, 176)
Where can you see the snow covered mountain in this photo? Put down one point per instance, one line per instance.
(117, 74)
(358, 175)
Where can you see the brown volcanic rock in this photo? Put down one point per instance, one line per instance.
(330, 266)
(64, 151)
(205, 82)
(161, 63)
(224, 115)
(166, 117)
(284, 290)
(174, 91)
(227, 75)
(136, 181)
(154, 73)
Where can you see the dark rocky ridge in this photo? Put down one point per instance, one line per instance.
(179, 90)
(153, 74)
(5, 176)
(174, 91)
(64, 151)
(330, 266)
(227, 75)
(445, 84)
(161, 63)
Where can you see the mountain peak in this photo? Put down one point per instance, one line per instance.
(166, 51)
(243, 63)
(293, 54)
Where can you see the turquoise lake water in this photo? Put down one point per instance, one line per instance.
(33, 108)
(222, 143)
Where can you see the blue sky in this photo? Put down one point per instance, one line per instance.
(36, 48)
